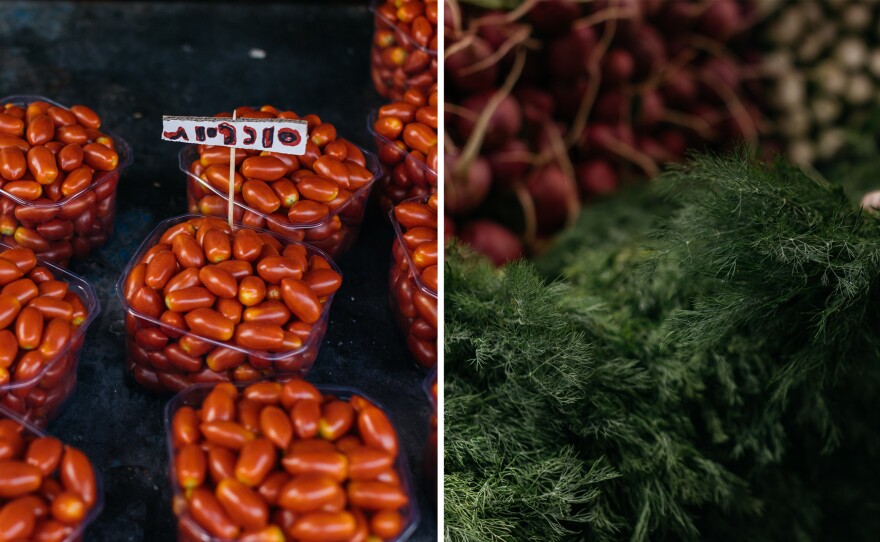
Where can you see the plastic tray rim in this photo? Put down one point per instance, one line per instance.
(398, 234)
(91, 302)
(98, 507)
(342, 391)
(374, 5)
(122, 149)
(269, 356)
(374, 166)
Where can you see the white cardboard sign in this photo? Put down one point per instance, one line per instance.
(286, 136)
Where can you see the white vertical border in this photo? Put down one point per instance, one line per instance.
(441, 287)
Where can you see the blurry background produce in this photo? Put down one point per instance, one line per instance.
(822, 63)
(553, 104)
(556, 102)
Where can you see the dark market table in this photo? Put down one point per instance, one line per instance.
(134, 62)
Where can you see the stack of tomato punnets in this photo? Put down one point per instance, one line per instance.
(406, 136)
(555, 102)
(413, 276)
(318, 197)
(48, 491)
(44, 315)
(273, 460)
(404, 53)
(205, 304)
(59, 174)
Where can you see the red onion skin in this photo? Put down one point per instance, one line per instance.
(655, 150)
(460, 60)
(618, 67)
(551, 89)
(447, 20)
(568, 95)
(494, 30)
(724, 70)
(537, 105)
(542, 142)
(504, 124)
(651, 8)
(680, 89)
(626, 26)
(674, 141)
(465, 195)
(609, 107)
(648, 50)
(507, 169)
(552, 192)
(721, 20)
(676, 17)
(651, 108)
(604, 137)
(596, 177)
(554, 16)
(498, 243)
(568, 55)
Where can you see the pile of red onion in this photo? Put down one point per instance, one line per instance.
(557, 102)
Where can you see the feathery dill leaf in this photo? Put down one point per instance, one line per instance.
(523, 382)
(714, 353)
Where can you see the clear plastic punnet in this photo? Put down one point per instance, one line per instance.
(39, 398)
(157, 359)
(397, 61)
(335, 234)
(413, 303)
(73, 226)
(49, 528)
(190, 531)
(406, 177)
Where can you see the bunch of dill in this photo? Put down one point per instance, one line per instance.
(703, 365)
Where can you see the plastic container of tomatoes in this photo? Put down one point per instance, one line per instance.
(335, 233)
(149, 364)
(50, 528)
(403, 54)
(188, 528)
(40, 397)
(406, 176)
(413, 303)
(73, 226)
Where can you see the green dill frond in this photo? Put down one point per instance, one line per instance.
(794, 267)
(697, 360)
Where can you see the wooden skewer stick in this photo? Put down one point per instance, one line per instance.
(232, 181)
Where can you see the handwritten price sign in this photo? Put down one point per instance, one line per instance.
(278, 135)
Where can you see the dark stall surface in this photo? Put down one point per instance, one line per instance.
(134, 62)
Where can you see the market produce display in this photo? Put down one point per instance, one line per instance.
(44, 315)
(288, 461)
(822, 63)
(412, 281)
(242, 303)
(205, 303)
(318, 197)
(406, 137)
(404, 51)
(706, 368)
(58, 177)
(405, 132)
(48, 490)
(553, 103)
